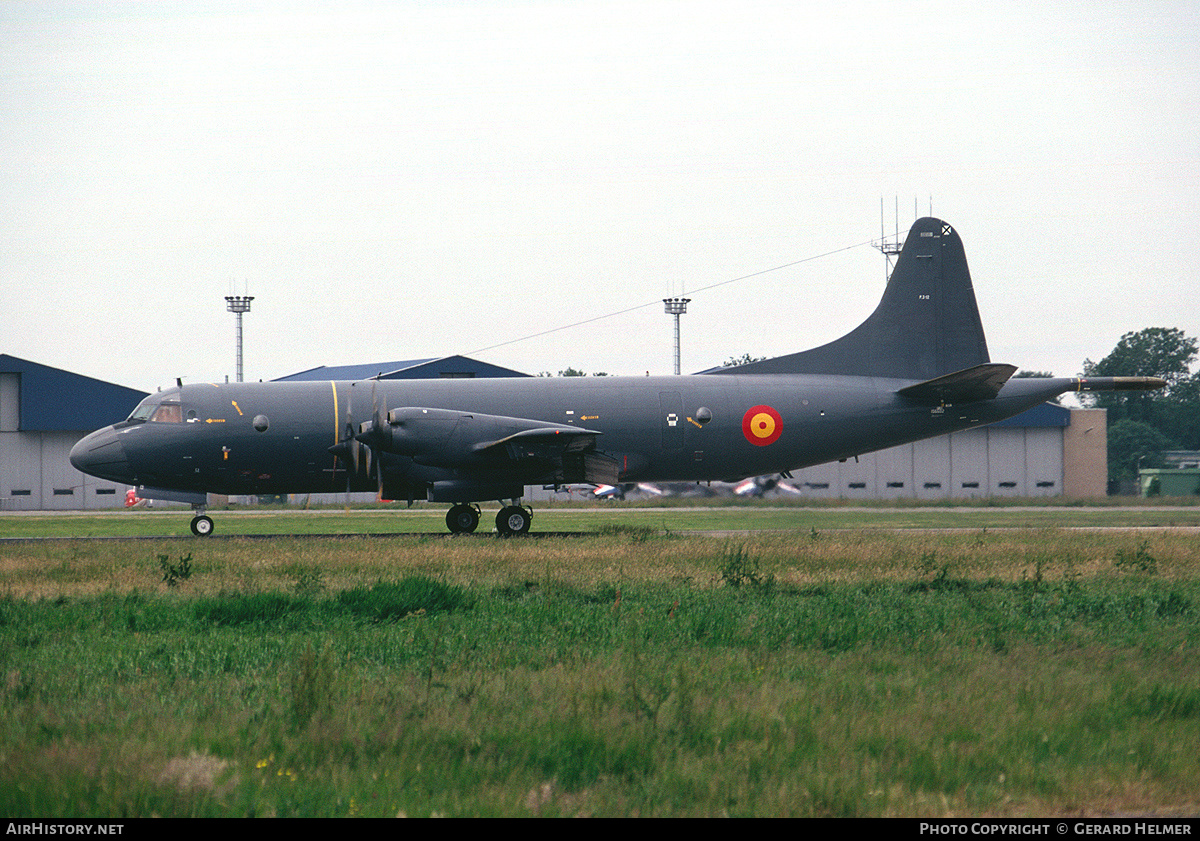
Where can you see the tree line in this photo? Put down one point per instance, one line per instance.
(1142, 424)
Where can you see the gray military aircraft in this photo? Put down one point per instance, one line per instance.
(918, 367)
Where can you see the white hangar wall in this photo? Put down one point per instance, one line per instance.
(43, 412)
(1062, 453)
(38, 475)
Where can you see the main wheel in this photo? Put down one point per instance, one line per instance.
(513, 519)
(462, 519)
(202, 526)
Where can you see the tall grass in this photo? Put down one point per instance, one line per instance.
(1018, 673)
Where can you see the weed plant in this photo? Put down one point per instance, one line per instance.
(172, 572)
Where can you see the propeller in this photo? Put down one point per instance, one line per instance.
(365, 446)
(373, 435)
(348, 447)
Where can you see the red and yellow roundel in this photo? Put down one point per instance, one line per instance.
(762, 425)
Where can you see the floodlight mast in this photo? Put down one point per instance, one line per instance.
(238, 304)
(676, 307)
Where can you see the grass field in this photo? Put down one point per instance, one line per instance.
(673, 516)
(636, 670)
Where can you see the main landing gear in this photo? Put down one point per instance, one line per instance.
(202, 525)
(512, 519)
(462, 518)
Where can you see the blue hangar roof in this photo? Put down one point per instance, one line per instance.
(412, 369)
(53, 400)
(1046, 414)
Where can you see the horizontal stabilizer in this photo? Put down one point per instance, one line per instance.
(1117, 383)
(982, 382)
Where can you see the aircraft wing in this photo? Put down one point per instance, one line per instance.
(570, 451)
(544, 451)
(549, 438)
(981, 382)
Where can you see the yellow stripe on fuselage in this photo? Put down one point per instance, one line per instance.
(336, 431)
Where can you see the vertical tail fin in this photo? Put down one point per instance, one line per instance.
(926, 325)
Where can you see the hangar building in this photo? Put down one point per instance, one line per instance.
(43, 412)
(1050, 450)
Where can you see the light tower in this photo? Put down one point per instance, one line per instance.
(890, 247)
(238, 304)
(676, 307)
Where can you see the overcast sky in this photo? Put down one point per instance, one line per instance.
(399, 180)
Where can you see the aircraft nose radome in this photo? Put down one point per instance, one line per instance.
(101, 454)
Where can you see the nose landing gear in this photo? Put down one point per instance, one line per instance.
(202, 525)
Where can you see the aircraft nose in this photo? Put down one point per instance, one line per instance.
(101, 454)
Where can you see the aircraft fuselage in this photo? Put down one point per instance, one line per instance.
(656, 428)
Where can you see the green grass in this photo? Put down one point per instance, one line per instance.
(678, 515)
(1025, 672)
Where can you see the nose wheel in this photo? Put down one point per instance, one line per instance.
(202, 526)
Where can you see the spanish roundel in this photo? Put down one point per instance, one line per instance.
(762, 425)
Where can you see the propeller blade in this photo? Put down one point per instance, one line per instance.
(378, 435)
(348, 449)
(351, 444)
(374, 433)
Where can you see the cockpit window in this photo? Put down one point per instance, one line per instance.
(167, 413)
(142, 413)
(156, 409)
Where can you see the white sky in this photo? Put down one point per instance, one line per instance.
(399, 180)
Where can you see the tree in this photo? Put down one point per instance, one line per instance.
(744, 359)
(1133, 445)
(572, 372)
(1141, 424)
(1165, 352)
(1153, 352)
